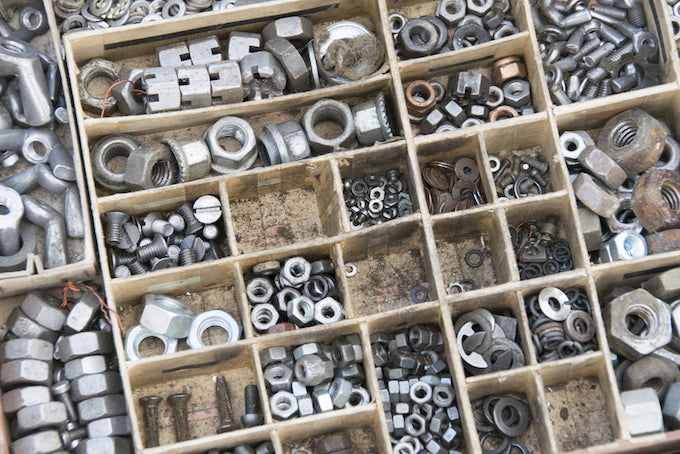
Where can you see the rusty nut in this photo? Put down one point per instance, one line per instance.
(506, 69)
(151, 167)
(421, 97)
(595, 196)
(656, 200)
(653, 372)
(602, 166)
(665, 285)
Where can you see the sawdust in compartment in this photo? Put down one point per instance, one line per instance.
(362, 439)
(452, 251)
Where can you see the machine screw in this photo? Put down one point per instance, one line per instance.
(179, 403)
(253, 415)
(61, 390)
(158, 248)
(114, 221)
(150, 406)
(227, 423)
(504, 166)
(192, 224)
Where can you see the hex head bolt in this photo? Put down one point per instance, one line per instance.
(150, 407)
(179, 403)
(227, 423)
(253, 415)
(157, 248)
(60, 391)
(114, 222)
(187, 212)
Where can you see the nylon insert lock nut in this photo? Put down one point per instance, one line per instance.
(83, 344)
(333, 111)
(643, 411)
(226, 162)
(165, 315)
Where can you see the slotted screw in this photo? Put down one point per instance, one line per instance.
(227, 423)
(114, 221)
(179, 403)
(150, 406)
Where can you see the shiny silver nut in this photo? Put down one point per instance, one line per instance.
(22, 348)
(353, 373)
(226, 82)
(295, 272)
(285, 296)
(298, 389)
(25, 372)
(101, 407)
(283, 405)
(83, 344)
(340, 391)
(88, 386)
(241, 44)
(655, 324)
(35, 417)
(626, 245)
(345, 353)
(296, 29)
(165, 315)
(300, 311)
(218, 318)
(439, 422)
(97, 68)
(283, 142)
(259, 290)
(595, 196)
(292, 62)
(263, 76)
(192, 157)
(104, 445)
(479, 7)
(224, 161)
(371, 121)
(45, 442)
(665, 285)
(128, 102)
(517, 92)
(44, 309)
(671, 407)
(264, 316)
(109, 427)
(328, 310)
(415, 425)
(643, 411)
(329, 110)
(451, 11)
(602, 166)
(312, 370)
(83, 313)
(278, 377)
(310, 348)
(574, 143)
(275, 355)
(93, 364)
(322, 399)
(16, 399)
(151, 167)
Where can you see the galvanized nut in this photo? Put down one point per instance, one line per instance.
(150, 167)
(104, 151)
(212, 318)
(165, 315)
(224, 161)
(329, 110)
(137, 334)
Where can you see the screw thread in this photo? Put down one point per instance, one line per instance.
(150, 406)
(224, 405)
(611, 11)
(112, 233)
(136, 267)
(587, 48)
(252, 399)
(624, 50)
(179, 402)
(604, 89)
(187, 257)
(155, 249)
(636, 15)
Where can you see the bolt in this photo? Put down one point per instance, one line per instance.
(604, 89)
(207, 209)
(114, 221)
(158, 248)
(179, 403)
(227, 423)
(636, 15)
(253, 415)
(121, 258)
(535, 163)
(61, 390)
(187, 256)
(71, 438)
(136, 267)
(150, 406)
(187, 212)
(504, 166)
(611, 11)
(623, 83)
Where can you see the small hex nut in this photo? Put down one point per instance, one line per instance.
(283, 404)
(595, 196)
(451, 11)
(296, 29)
(479, 7)
(653, 312)
(602, 166)
(278, 377)
(507, 69)
(44, 309)
(224, 161)
(301, 311)
(312, 370)
(259, 290)
(305, 405)
(83, 314)
(421, 337)
(167, 316)
(322, 399)
(285, 296)
(517, 92)
(310, 348)
(275, 355)
(295, 271)
(328, 310)
(151, 167)
(344, 354)
(643, 411)
(340, 391)
(625, 245)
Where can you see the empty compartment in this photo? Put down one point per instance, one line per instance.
(390, 269)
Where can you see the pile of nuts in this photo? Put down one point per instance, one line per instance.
(631, 181)
(470, 98)
(168, 319)
(561, 323)
(75, 401)
(315, 378)
(595, 51)
(163, 241)
(521, 176)
(458, 24)
(374, 199)
(178, 161)
(294, 295)
(194, 74)
(500, 418)
(538, 249)
(416, 390)
(488, 342)
(451, 187)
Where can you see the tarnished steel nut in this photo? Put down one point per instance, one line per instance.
(332, 443)
(44, 309)
(165, 315)
(420, 98)
(643, 411)
(591, 228)
(296, 29)
(340, 391)
(213, 318)
(192, 157)
(259, 290)
(292, 62)
(45, 442)
(265, 316)
(517, 92)
(312, 370)
(127, 101)
(282, 142)
(506, 69)
(310, 348)
(651, 372)
(624, 218)
(295, 272)
(479, 7)
(16, 399)
(104, 152)
(101, 407)
(595, 196)
(574, 142)
(469, 85)
(226, 82)
(83, 344)
(419, 37)
(285, 296)
(334, 111)
(502, 113)
(275, 355)
(96, 68)
(666, 241)
(82, 314)
(655, 320)
(634, 139)
(372, 121)
(328, 310)
(109, 427)
(263, 76)
(671, 407)
(670, 157)
(283, 405)
(40, 416)
(25, 372)
(451, 11)
(656, 200)
(664, 285)
(93, 364)
(300, 310)
(22, 326)
(602, 166)
(224, 161)
(278, 377)
(151, 167)
(22, 348)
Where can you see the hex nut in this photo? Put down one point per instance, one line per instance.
(328, 310)
(419, 37)
(44, 309)
(275, 355)
(263, 76)
(602, 166)
(165, 315)
(109, 427)
(96, 68)
(333, 111)
(506, 69)
(224, 161)
(127, 101)
(451, 11)
(292, 62)
(300, 311)
(643, 411)
(137, 334)
(101, 407)
(283, 405)
(656, 200)
(264, 316)
(295, 272)
(296, 29)
(21, 326)
(421, 98)
(305, 405)
(333, 443)
(285, 296)
(282, 142)
(652, 372)
(655, 314)
(213, 318)
(83, 313)
(192, 157)
(666, 241)
(310, 348)
(25, 372)
(88, 386)
(372, 121)
(595, 196)
(665, 285)
(312, 370)
(340, 391)
(23, 348)
(671, 406)
(40, 416)
(151, 167)
(574, 142)
(625, 245)
(44, 442)
(259, 290)
(117, 445)
(83, 344)
(322, 399)
(93, 364)
(517, 92)
(16, 399)
(278, 377)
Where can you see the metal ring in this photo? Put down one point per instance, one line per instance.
(494, 163)
(209, 319)
(350, 269)
(513, 427)
(551, 297)
(474, 253)
(138, 334)
(419, 290)
(104, 151)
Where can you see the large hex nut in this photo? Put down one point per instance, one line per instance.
(602, 166)
(371, 121)
(39, 416)
(83, 344)
(151, 167)
(656, 200)
(666, 241)
(650, 371)
(44, 309)
(292, 62)
(127, 101)
(506, 69)
(22, 326)
(22, 348)
(333, 111)
(25, 372)
(101, 407)
(595, 196)
(101, 445)
(224, 161)
(109, 427)
(312, 370)
(278, 377)
(83, 313)
(192, 156)
(634, 139)
(93, 364)
(665, 285)
(283, 405)
(643, 411)
(654, 314)
(45, 442)
(16, 399)
(259, 290)
(283, 142)
(167, 316)
(671, 407)
(96, 68)
(296, 29)
(88, 386)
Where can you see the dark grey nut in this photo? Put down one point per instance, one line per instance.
(296, 29)
(128, 102)
(224, 161)
(451, 11)
(151, 167)
(595, 196)
(469, 85)
(292, 62)
(418, 38)
(371, 121)
(333, 111)
(431, 121)
(517, 92)
(278, 377)
(192, 157)
(312, 370)
(282, 142)
(479, 7)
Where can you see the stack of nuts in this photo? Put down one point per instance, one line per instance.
(630, 181)
(294, 295)
(315, 378)
(470, 98)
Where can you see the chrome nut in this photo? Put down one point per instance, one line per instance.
(656, 200)
(16, 399)
(602, 166)
(212, 318)
(328, 310)
(595, 196)
(300, 311)
(665, 285)
(656, 373)
(517, 92)
(278, 377)
(626, 245)
(295, 272)
(43, 442)
(336, 112)
(371, 121)
(192, 156)
(292, 62)
(241, 44)
(83, 344)
(671, 406)
(101, 407)
(643, 411)
(23, 348)
(296, 29)
(259, 290)
(150, 168)
(312, 370)
(340, 391)
(283, 405)
(226, 82)
(283, 142)
(165, 315)
(104, 151)
(127, 101)
(94, 385)
(345, 353)
(264, 316)
(137, 334)
(95, 68)
(227, 162)
(44, 309)
(353, 373)
(25, 372)
(656, 318)
(263, 76)
(451, 11)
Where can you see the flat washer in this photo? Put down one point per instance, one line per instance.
(415, 291)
